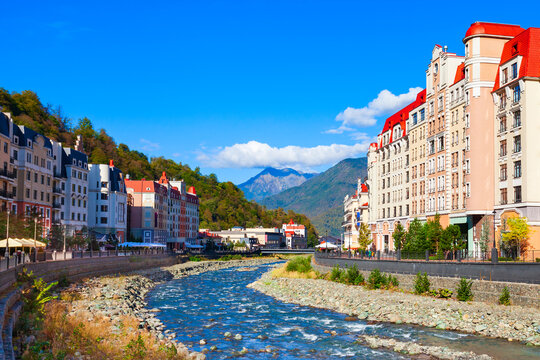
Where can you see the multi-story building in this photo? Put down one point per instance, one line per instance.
(107, 201)
(295, 235)
(456, 137)
(70, 188)
(33, 158)
(516, 94)
(389, 173)
(355, 213)
(270, 238)
(163, 211)
(7, 173)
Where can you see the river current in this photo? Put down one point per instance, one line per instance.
(207, 305)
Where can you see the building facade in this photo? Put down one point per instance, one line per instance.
(463, 137)
(355, 213)
(107, 201)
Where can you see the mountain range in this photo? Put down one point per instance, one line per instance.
(321, 197)
(271, 181)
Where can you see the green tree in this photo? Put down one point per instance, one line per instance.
(485, 235)
(517, 236)
(415, 238)
(364, 236)
(399, 236)
(434, 232)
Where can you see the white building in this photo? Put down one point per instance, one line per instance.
(355, 213)
(107, 201)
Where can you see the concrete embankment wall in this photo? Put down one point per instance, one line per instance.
(79, 268)
(524, 294)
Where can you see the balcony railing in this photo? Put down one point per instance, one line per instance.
(57, 190)
(7, 173)
(6, 194)
(56, 205)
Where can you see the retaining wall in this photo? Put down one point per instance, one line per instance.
(79, 268)
(483, 288)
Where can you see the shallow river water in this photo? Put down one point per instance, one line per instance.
(207, 305)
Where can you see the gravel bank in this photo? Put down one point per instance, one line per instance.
(115, 297)
(508, 322)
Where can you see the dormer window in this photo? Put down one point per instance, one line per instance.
(74, 162)
(16, 139)
(49, 152)
(29, 143)
(80, 163)
(436, 68)
(514, 71)
(514, 49)
(504, 76)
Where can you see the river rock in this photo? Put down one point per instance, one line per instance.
(351, 318)
(202, 342)
(237, 337)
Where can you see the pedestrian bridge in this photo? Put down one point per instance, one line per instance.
(288, 251)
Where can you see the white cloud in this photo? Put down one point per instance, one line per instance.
(149, 145)
(176, 155)
(256, 154)
(385, 103)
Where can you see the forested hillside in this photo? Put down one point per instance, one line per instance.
(223, 205)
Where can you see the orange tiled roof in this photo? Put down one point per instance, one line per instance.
(486, 28)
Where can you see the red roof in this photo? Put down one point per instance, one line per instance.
(365, 204)
(402, 115)
(527, 45)
(486, 28)
(460, 73)
(364, 188)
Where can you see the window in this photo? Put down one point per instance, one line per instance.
(42, 180)
(517, 118)
(504, 196)
(467, 143)
(35, 194)
(85, 177)
(467, 121)
(468, 166)
(72, 187)
(415, 119)
(502, 150)
(28, 193)
(517, 143)
(28, 175)
(103, 220)
(104, 196)
(104, 208)
(517, 194)
(35, 177)
(422, 114)
(517, 169)
(514, 71)
(517, 93)
(504, 77)
(42, 196)
(72, 216)
(502, 124)
(73, 202)
(503, 172)
(79, 189)
(73, 173)
(103, 184)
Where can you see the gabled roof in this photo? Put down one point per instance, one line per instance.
(494, 29)
(527, 45)
(4, 124)
(364, 188)
(401, 117)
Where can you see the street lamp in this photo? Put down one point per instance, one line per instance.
(494, 253)
(35, 236)
(7, 239)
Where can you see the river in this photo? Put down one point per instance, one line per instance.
(207, 305)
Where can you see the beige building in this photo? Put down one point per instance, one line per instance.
(355, 213)
(7, 172)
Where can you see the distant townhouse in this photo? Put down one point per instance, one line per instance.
(107, 201)
(268, 238)
(163, 212)
(295, 235)
(33, 158)
(355, 213)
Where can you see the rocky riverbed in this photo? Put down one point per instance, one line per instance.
(114, 298)
(514, 323)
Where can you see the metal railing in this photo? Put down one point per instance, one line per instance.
(464, 256)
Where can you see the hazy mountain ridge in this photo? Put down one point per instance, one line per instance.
(271, 181)
(321, 197)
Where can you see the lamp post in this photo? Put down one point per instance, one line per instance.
(494, 253)
(7, 239)
(65, 230)
(35, 236)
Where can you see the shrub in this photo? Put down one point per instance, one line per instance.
(335, 274)
(230, 257)
(377, 280)
(464, 292)
(359, 279)
(421, 284)
(504, 299)
(352, 275)
(393, 281)
(441, 293)
(135, 349)
(537, 260)
(195, 258)
(300, 264)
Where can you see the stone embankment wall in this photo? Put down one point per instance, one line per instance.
(79, 268)
(483, 290)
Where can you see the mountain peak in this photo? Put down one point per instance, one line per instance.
(272, 181)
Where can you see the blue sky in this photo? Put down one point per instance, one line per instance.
(234, 86)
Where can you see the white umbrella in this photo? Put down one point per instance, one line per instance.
(326, 245)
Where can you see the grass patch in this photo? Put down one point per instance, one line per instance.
(299, 267)
(230, 257)
(300, 264)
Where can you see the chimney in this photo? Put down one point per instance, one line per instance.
(79, 144)
(111, 163)
(445, 48)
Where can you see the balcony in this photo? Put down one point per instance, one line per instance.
(57, 190)
(56, 205)
(6, 194)
(8, 174)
